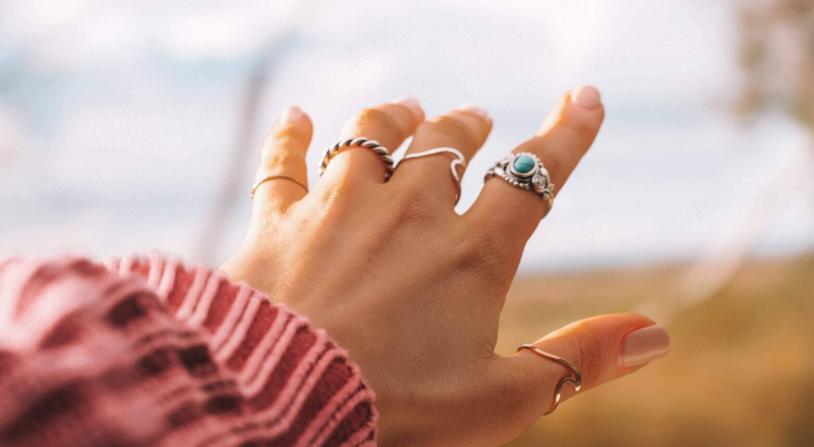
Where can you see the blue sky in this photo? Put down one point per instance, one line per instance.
(117, 119)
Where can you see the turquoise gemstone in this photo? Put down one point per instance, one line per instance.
(523, 164)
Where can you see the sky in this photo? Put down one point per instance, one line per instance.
(118, 119)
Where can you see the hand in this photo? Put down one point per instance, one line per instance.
(413, 290)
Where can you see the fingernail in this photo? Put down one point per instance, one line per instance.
(412, 103)
(644, 345)
(477, 110)
(586, 97)
(290, 115)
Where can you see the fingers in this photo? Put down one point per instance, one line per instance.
(389, 124)
(563, 139)
(465, 129)
(601, 348)
(282, 178)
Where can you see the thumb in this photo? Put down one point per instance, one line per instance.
(600, 348)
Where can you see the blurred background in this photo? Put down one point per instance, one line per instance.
(135, 125)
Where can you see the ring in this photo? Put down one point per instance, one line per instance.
(524, 170)
(459, 161)
(574, 378)
(276, 177)
(373, 145)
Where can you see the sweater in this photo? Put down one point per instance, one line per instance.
(148, 351)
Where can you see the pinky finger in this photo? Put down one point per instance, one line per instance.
(282, 177)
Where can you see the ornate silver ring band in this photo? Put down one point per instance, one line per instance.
(524, 170)
(269, 178)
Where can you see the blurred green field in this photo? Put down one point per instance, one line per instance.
(740, 372)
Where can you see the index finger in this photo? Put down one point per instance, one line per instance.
(563, 139)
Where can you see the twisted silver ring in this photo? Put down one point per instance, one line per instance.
(459, 161)
(574, 377)
(524, 170)
(373, 145)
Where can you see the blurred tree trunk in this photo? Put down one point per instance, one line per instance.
(234, 185)
(216, 223)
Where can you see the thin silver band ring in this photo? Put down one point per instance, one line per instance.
(459, 161)
(574, 378)
(269, 178)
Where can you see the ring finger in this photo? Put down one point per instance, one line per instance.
(464, 129)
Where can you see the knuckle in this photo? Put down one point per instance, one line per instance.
(454, 129)
(286, 136)
(374, 117)
(466, 256)
(484, 241)
(281, 160)
(500, 239)
(338, 197)
(480, 250)
(517, 393)
(416, 204)
(590, 353)
(519, 404)
(584, 129)
(281, 141)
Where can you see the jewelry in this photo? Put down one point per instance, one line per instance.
(373, 145)
(276, 177)
(459, 161)
(524, 170)
(574, 378)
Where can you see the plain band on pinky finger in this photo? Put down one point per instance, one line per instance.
(282, 177)
(269, 178)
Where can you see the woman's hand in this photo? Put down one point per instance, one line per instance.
(413, 290)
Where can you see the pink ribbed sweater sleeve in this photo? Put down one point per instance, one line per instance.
(148, 351)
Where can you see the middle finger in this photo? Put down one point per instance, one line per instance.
(464, 129)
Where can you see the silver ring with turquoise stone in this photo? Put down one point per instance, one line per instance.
(524, 170)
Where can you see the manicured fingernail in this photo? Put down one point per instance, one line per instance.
(477, 110)
(644, 345)
(290, 115)
(586, 97)
(412, 103)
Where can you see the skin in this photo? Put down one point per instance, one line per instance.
(414, 290)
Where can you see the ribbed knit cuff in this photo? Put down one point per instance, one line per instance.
(187, 357)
